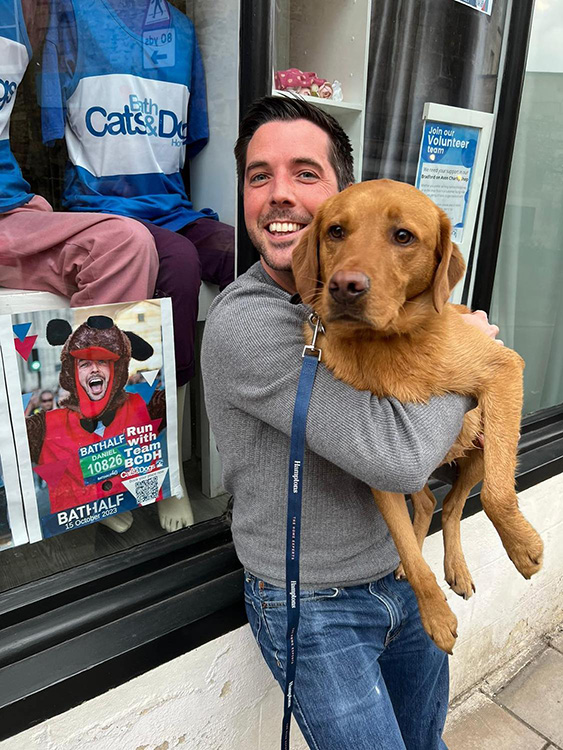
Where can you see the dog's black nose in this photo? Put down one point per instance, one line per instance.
(348, 286)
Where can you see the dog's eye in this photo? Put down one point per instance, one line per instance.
(403, 236)
(336, 232)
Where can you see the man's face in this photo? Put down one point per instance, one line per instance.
(288, 175)
(93, 376)
(46, 401)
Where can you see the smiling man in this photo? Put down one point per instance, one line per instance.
(94, 377)
(368, 676)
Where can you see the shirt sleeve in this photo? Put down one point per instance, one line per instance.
(198, 126)
(57, 67)
(386, 444)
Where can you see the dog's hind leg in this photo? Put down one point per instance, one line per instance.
(423, 504)
(437, 618)
(455, 568)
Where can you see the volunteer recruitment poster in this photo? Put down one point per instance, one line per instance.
(12, 522)
(92, 394)
(445, 169)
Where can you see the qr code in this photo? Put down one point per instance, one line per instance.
(146, 490)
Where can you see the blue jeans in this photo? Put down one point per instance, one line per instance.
(368, 676)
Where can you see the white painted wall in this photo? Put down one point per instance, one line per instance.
(222, 697)
(507, 613)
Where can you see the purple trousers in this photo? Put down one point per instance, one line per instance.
(203, 250)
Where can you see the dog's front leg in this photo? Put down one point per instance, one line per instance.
(437, 618)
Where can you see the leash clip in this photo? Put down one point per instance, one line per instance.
(317, 327)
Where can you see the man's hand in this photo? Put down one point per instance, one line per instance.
(480, 320)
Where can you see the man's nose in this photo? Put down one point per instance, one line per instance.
(282, 192)
(346, 287)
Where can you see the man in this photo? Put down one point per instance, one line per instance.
(368, 676)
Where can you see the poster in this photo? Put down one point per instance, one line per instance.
(12, 522)
(445, 169)
(485, 6)
(92, 394)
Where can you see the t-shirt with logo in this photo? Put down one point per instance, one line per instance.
(124, 83)
(15, 53)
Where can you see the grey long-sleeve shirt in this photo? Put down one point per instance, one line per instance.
(251, 361)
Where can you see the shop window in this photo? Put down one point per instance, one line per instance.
(153, 85)
(527, 302)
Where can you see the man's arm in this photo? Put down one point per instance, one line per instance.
(251, 361)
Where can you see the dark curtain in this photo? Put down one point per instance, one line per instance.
(424, 51)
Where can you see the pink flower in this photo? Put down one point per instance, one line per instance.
(325, 91)
(304, 91)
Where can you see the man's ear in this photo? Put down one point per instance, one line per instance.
(451, 266)
(305, 263)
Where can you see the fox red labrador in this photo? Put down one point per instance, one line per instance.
(378, 266)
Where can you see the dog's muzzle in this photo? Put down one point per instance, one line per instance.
(347, 287)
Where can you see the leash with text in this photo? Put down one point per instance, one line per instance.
(311, 358)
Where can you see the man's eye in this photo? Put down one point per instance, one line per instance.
(307, 175)
(257, 178)
(336, 232)
(404, 237)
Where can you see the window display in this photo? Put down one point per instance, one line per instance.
(133, 227)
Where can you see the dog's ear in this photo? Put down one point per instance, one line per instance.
(305, 263)
(451, 266)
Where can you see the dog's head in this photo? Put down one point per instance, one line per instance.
(377, 255)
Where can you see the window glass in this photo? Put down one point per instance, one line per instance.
(117, 122)
(527, 302)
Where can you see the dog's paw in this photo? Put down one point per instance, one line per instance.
(439, 622)
(459, 578)
(526, 552)
(400, 574)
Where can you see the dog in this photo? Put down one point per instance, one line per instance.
(377, 265)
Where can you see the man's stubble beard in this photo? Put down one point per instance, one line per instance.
(265, 253)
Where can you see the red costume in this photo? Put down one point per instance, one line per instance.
(63, 437)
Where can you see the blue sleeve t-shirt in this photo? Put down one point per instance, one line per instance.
(15, 53)
(127, 91)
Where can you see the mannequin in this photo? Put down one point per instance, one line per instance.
(131, 109)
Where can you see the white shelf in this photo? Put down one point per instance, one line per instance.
(330, 104)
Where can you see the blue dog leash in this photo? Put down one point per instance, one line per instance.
(311, 358)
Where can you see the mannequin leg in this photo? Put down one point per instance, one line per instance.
(176, 512)
(120, 523)
(215, 243)
(91, 258)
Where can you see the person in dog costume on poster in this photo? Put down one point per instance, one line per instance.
(94, 370)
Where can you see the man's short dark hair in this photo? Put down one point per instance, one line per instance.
(286, 109)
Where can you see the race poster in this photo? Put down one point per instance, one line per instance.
(12, 522)
(445, 169)
(92, 394)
